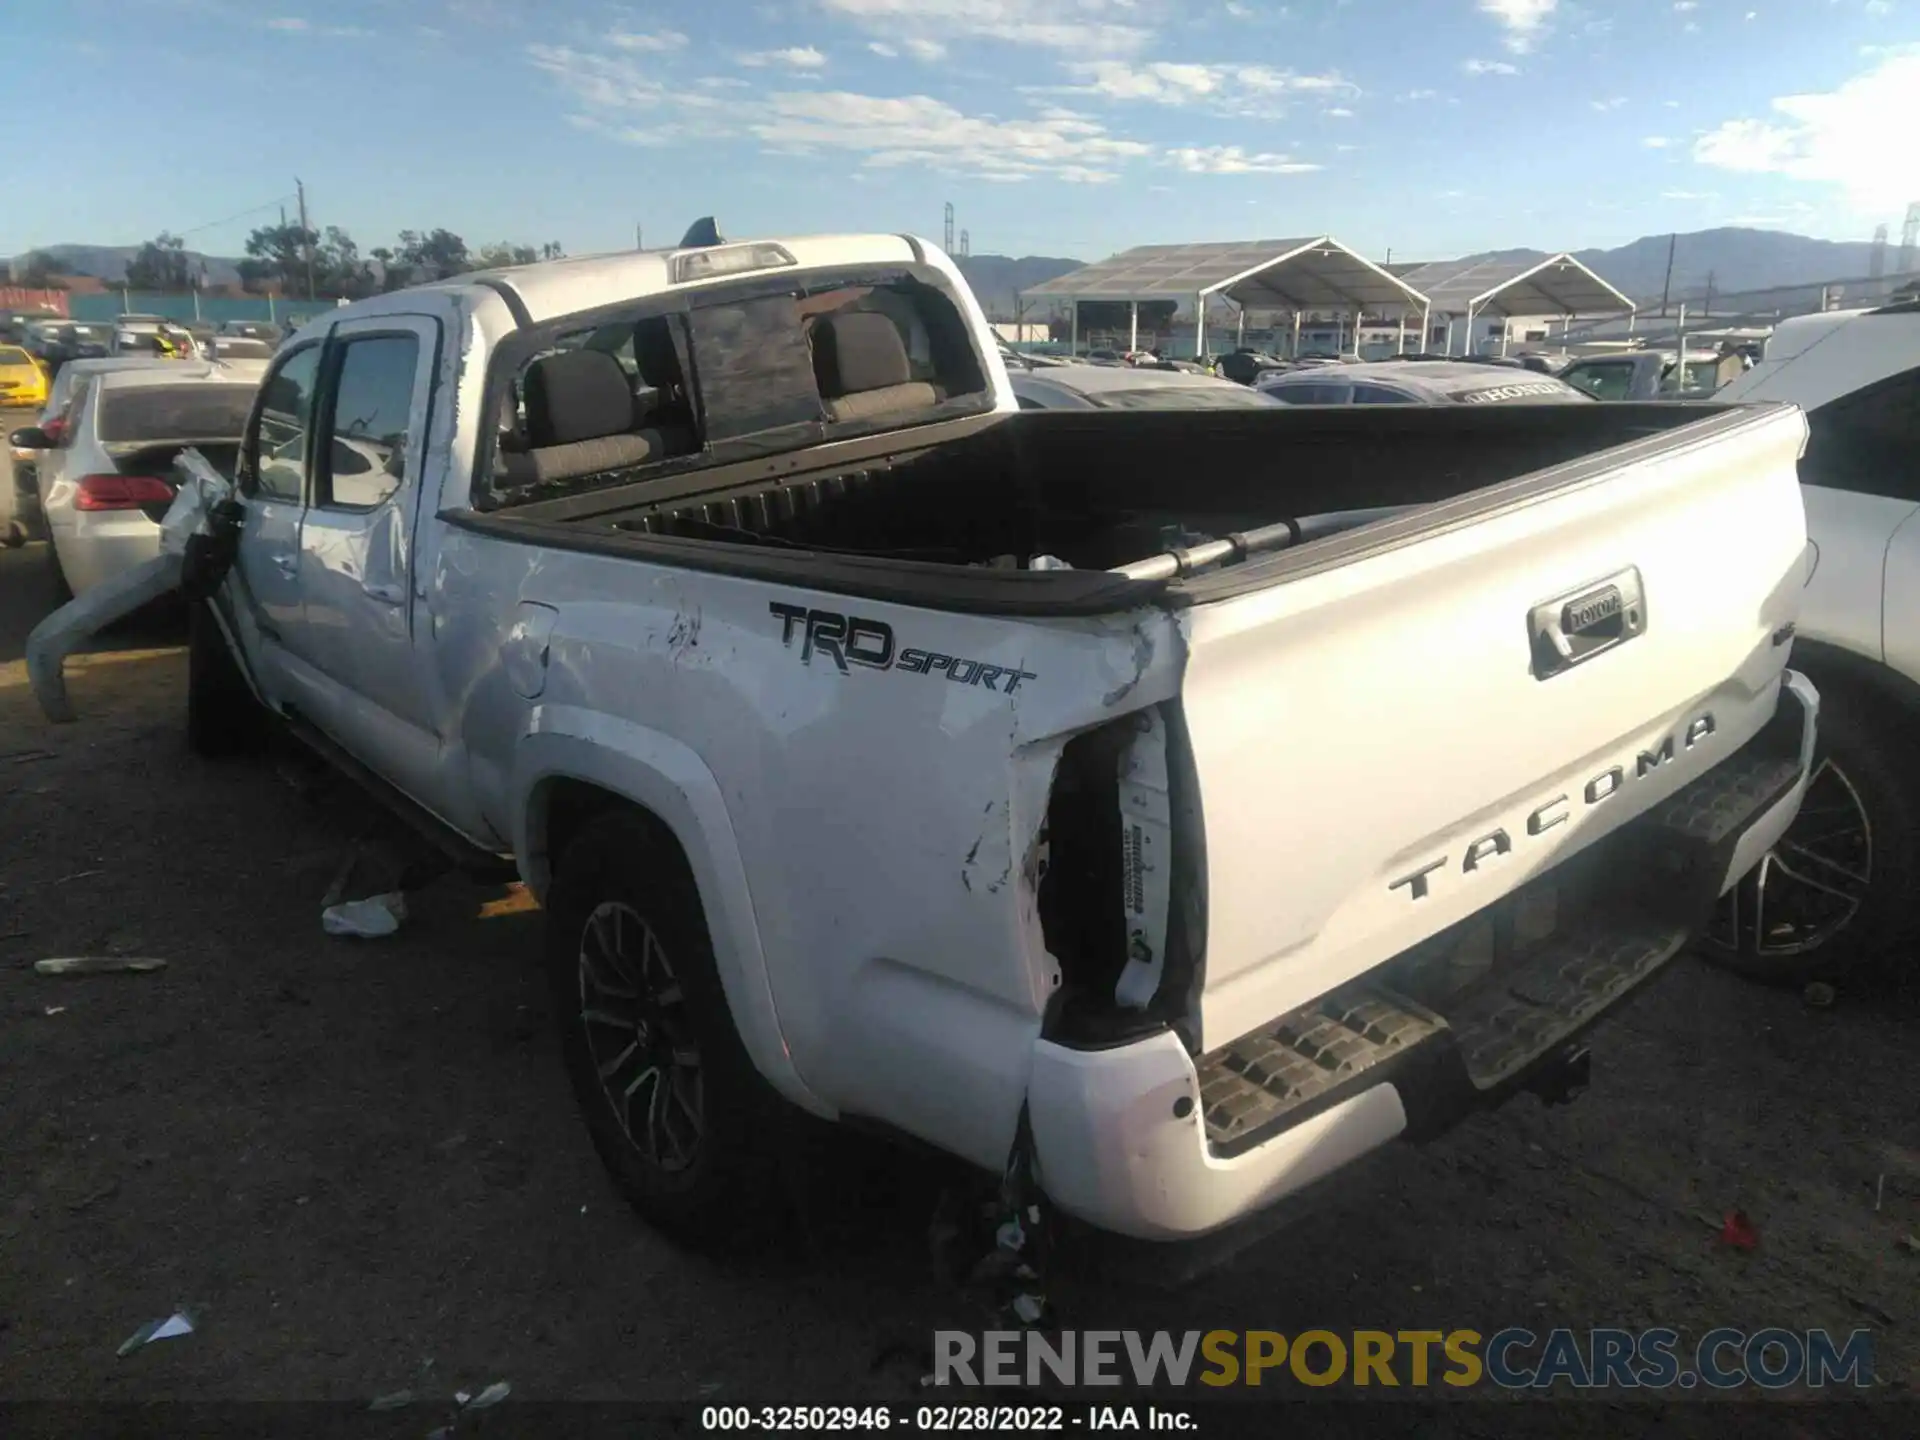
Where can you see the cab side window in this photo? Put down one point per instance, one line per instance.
(1380, 395)
(366, 429)
(1603, 382)
(1868, 441)
(275, 462)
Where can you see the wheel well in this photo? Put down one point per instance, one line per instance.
(1856, 676)
(567, 806)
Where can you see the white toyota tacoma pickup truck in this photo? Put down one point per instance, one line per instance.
(1177, 805)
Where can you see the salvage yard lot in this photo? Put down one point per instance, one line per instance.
(358, 1163)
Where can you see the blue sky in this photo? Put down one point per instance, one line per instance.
(1074, 127)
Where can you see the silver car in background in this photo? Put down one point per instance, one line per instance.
(1407, 382)
(106, 482)
(1102, 387)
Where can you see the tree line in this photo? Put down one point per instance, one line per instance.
(297, 260)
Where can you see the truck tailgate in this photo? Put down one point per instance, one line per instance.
(1383, 746)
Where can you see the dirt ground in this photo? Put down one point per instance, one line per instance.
(358, 1163)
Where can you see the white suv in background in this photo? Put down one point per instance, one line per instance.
(1843, 885)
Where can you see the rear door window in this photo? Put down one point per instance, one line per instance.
(1868, 441)
(367, 421)
(1381, 395)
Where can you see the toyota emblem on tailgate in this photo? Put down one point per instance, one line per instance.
(1571, 629)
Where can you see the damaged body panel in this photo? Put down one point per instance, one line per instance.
(1117, 792)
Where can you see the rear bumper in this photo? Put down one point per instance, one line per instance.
(1146, 1140)
(97, 547)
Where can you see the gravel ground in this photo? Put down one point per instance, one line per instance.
(359, 1163)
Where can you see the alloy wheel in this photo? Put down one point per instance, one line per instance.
(639, 1038)
(1808, 888)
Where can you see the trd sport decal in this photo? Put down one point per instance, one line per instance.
(849, 640)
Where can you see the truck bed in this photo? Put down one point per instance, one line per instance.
(1098, 491)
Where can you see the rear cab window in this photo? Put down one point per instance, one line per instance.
(682, 381)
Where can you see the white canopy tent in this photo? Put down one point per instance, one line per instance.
(1558, 285)
(1296, 275)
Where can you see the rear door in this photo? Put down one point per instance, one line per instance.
(357, 542)
(1379, 748)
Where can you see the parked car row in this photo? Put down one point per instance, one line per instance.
(94, 475)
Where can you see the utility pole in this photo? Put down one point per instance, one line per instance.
(306, 235)
(1666, 287)
(948, 245)
(638, 243)
(1707, 309)
(966, 243)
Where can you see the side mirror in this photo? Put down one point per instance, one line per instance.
(30, 437)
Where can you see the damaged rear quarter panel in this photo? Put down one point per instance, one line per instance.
(886, 814)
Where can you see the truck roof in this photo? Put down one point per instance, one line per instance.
(552, 288)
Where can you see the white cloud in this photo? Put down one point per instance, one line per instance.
(1090, 27)
(1240, 90)
(1751, 15)
(1840, 138)
(1489, 67)
(1418, 95)
(1683, 6)
(661, 43)
(614, 95)
(794, 57)
(1612, 102)
(1688, 195)
(883, 50)
(1657, 142)
(1338, 112)
(1523, 20)
(1232, 160)
(1878, 7)
(294, 25)
(928, 50)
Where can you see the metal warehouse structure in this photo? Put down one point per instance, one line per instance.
(1317, 273)
(1558, 285)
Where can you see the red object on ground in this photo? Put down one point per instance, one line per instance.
(1738, 1231)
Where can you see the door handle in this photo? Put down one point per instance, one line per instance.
(387, 594)
(286, 562)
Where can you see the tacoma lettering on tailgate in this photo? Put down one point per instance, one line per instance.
(1556, 811)
(850, 640)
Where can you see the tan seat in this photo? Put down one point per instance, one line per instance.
(581, 420)
(863, 370)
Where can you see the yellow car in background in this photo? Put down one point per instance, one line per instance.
(23, 384)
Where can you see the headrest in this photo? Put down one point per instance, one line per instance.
(858, 351)
(577, 395)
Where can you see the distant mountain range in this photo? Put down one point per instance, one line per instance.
(109, 262)
(1736, 259)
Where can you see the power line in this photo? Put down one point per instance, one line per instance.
(228, 220)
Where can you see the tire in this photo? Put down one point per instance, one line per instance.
(1857, 836)
(223, 718)
(713, 1184)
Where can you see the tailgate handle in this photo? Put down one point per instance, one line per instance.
(1573, 628)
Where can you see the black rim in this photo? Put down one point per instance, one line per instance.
(634, 1011)
(1809, 887)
